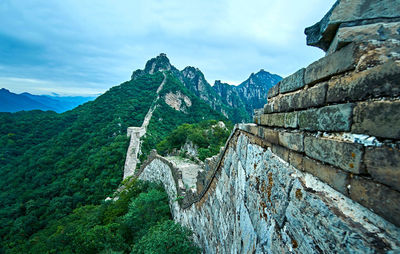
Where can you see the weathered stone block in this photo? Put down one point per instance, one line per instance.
(308, 119)
(377, 197)
(285, 103)
(264, 119)
(378, 118)
(376, 82)
(383, 163)
(330, 118)
(336, 178)
(335, 118)
(273, 91)
(249, 127)
(344, 155)
(282, 152)
(338, 62)
(293, 141)
(291, 120)
(292, 82)
(378, 31)
(253, 129)
(296, 160)
(270, 135)
(277, 119)
(269, 107)
(312, 97)
(352, 13)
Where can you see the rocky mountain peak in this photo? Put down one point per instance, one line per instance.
(159, 63)
(191, 72)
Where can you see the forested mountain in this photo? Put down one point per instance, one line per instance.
(11, 102)
(54, 163)
(57, 169)
(235, 102)
(250, 94)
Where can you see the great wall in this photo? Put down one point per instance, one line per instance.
(319, 170)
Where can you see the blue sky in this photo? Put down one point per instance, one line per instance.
(84, 47)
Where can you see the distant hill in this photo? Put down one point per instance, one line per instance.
(11, 102)
(250, 94)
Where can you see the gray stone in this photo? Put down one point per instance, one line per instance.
(273, 91)
(296, 160)
(333, 64)
(378, 31)
(269, 107)
(281, 151)
(329, 118)
(258, 203)
(377, 118)
(286, 102)
(276, 120)
(336, 178)
(383, 163)
(344, 155)
(291, 120)
(349, 13)
(270, 135)
(293, 141)
(377, 197)
(312, 97)
(292, 82)
(382, 80)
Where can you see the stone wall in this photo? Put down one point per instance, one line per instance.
(319, 171)
(256, 202)
(339, 118)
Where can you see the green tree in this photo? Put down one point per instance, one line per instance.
(166, 237)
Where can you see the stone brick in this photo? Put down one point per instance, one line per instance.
(269, 107)
(291, 120)
(382, 80)
(292, 82)
(344, 155)
(329, 118)
(377, 197)
(378, 118)
(293, 141)
(285, 103)
(264, 119)
(277, 119)
(248, 127)
(338, 62)
(336, 178)
(312, 97)
(253, 129)
(273, 91)
(282, 152)
(383, 163)
(308, 119)
(270, 135)
(351, 13)
(296, 160)
(378, 31)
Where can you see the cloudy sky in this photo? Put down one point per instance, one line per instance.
(82, 47)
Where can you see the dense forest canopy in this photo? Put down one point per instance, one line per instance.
(57, 169)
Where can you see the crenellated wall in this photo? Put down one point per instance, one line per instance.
(319, 171)
(258, 203)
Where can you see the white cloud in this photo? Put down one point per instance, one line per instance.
(99, 43)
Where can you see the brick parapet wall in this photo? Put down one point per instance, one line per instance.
(322, 119)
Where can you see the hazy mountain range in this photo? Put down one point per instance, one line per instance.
(12, 102)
